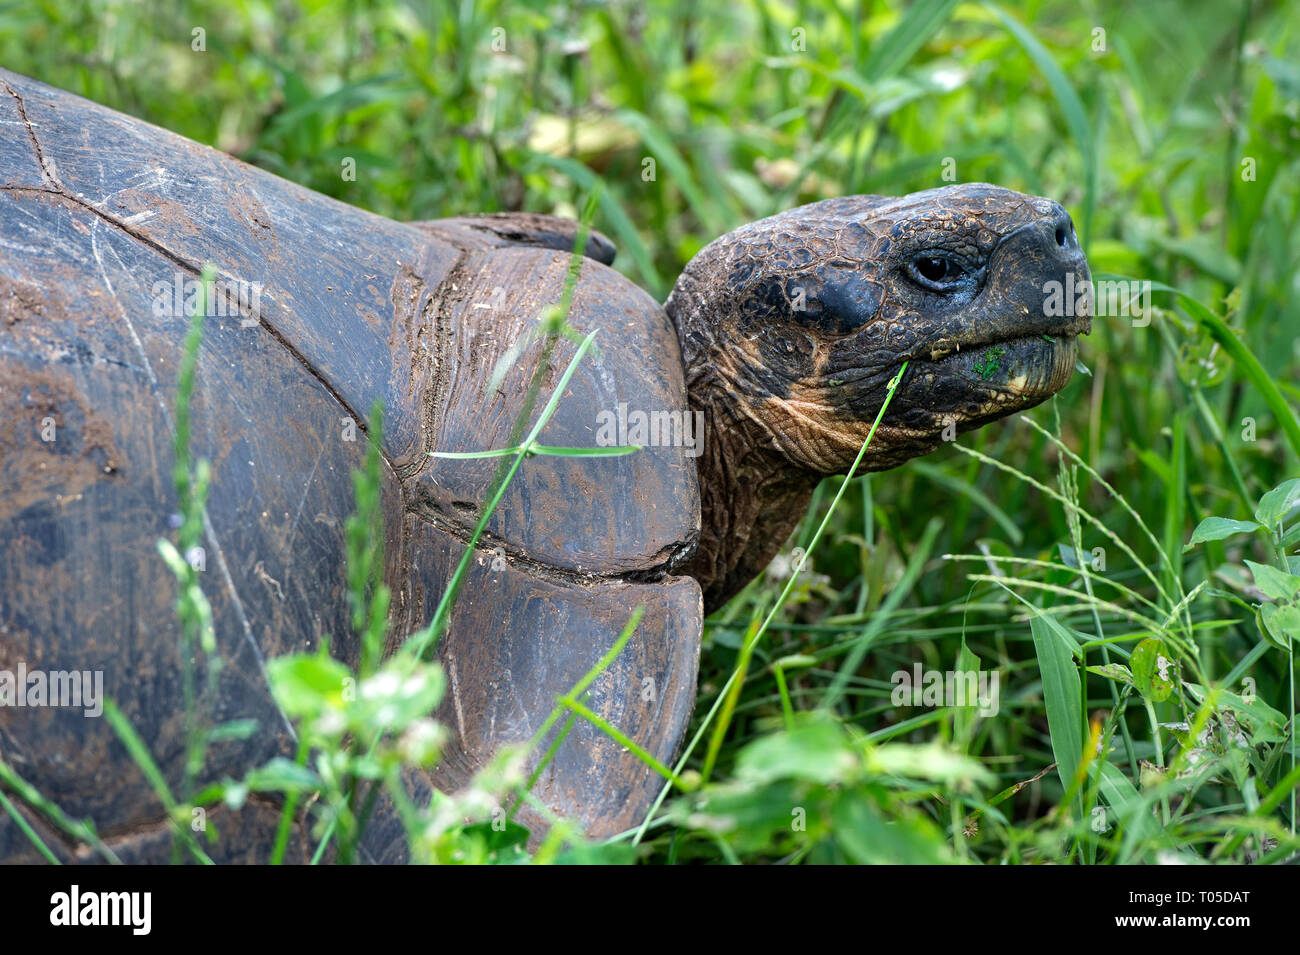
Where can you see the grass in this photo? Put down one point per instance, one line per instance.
(1062, 557)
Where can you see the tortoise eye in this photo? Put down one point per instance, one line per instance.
(937, 272)
(932, 268)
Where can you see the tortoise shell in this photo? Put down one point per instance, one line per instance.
(105, 220)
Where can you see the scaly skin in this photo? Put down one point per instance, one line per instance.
(792, 327)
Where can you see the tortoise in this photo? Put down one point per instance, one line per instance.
(779, 338)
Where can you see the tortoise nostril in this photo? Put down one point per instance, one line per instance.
(1060, 227)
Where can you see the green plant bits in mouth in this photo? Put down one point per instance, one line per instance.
(989, 365)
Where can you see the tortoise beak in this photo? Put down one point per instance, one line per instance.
(1040, 276)
(1029, 368)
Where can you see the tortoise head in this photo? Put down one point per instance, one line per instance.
(798, 322)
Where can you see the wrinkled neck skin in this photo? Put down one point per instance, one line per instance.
(752, 495)
(769, 440)
(751, 500)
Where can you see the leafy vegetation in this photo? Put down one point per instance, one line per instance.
(1126, 559)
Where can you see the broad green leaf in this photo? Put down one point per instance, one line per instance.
(1282, 622)
(818, 751)
(1062, 696)
(282, 775)
(933, 762)
(305, 683)
(503, 844)
(1217, 528)
(1274, 505)
(1154, 670)
(1276, 584)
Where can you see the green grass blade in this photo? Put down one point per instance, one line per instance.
(140, 754)
(82, 831)
(921, 21)
(27, 830)
(621, 225)
(1062, 697)
(1076, 117)
(425, 639)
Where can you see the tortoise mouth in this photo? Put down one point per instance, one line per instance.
(992, 380)
(1031, 366)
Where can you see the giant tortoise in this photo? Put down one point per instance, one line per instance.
(779, 338)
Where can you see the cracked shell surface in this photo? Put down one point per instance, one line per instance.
(102, 216)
